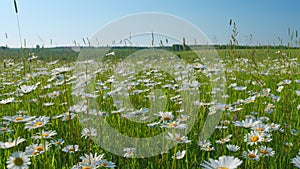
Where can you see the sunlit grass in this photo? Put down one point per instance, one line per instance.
(262, 71)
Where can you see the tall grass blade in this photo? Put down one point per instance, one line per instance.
(16, 7)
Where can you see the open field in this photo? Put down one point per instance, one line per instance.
(44, 111)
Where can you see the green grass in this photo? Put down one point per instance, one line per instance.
(263, 66)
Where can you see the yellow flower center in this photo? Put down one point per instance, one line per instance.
(172, 125)
(37, 124)
(183, 119)
(104, 165)
(208, 149)
(45, 135)
(252, 155)
(54, 94)
(4, 129)
(254, 139)
(18, 161)
(19, 118)
(38, 148)
(58, 143)
(86, 167)
(71, 149)
(264, 152)
(260, 129)
(223, 140)
(222, 168)
(167, 118)
(178, 139)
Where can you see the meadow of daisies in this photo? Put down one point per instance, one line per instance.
(41, 121)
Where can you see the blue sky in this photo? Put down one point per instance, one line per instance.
(64, 21)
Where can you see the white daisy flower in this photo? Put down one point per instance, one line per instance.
(232, 148)
(279, 89)
(266, 137)
(70, 148)
(264, 119)
(240, 88)
(37, 149)
(273, 126)
(205, 143)
(265, 151)
(225, 122)
(8, 100)
(26, 89)
(53, 94)
(174, 125)
(247, 123)
(208, 148)
(107, 164)
(18, 118)
(253, 138)
(248, 116)
(18, 160)
(251, 154)
(5, 130)
(57, 142)
(296, 161)
(166, 116)
(11, 143)
(37, 123)
(221, 127)
(45, 135)
(129, 152)
(92, 159)
(65, 116)
(48, 104)
(79, 108)
(177, 138)
(224, 140)
(61, 70)
(228, 162)
(83, 165)
(154, 124)
(88, 132)
(179, 155)
(250, 99)
(288, 144)
(261, 128)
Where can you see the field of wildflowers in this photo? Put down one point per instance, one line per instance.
(42, 123)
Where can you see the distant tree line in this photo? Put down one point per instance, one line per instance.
(61, 53)
(68, 54)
